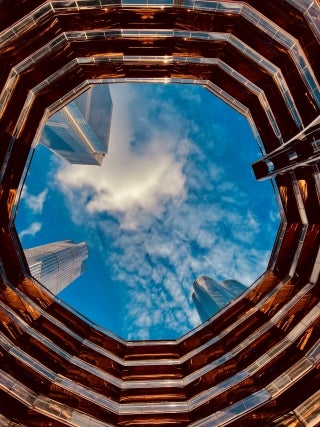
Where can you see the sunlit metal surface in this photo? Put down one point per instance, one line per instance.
(256, 362)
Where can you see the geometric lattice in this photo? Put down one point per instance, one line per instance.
(256, 362)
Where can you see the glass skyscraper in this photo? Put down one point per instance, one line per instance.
(80, 131)
(57, 264)
(254, 364)
(210, 296)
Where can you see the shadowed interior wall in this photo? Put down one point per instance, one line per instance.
(256, 363)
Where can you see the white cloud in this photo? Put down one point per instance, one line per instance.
(155, 224)
(166, 277)
(34, 202)
(133, 178)
(31, 230)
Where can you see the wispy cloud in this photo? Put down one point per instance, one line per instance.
(143, 168)
(34, 202)
(163, 211)
(31, 230)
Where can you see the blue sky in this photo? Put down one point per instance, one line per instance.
(174, 199)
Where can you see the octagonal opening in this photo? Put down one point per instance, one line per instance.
(174, 199)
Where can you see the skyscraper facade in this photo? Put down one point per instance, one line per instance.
(257, 362)
(80, 131)
(210, 296)
(57, 264)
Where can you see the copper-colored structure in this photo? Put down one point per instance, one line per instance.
(257, 362)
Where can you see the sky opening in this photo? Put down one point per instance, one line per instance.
(175, 198)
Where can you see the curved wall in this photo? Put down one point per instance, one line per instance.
(257, 362)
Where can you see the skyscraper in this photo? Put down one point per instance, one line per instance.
(257, 362)
(57, 264)
(80, 131)
(210, 296)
